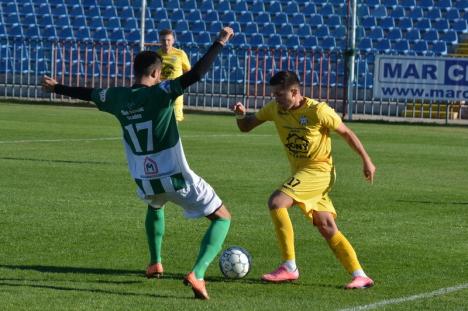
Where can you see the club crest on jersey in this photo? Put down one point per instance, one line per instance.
(102, 95)
(151, 168)
(303, 120)
(165, 86)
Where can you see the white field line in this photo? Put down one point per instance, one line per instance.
(28, 141)
(439, 292)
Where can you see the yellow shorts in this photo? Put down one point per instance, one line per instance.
(309, 189)
(178, 108)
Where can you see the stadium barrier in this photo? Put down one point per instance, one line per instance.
(237, 75)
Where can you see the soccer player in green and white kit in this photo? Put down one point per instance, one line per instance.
(155, 155)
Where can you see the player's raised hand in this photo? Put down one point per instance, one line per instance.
(48, 83)
(238, 108)
(225, 35)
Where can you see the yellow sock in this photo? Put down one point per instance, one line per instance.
(344, 252)
(284, 232)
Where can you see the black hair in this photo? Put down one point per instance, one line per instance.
(165, 32)
(146, 62)
(285, 79)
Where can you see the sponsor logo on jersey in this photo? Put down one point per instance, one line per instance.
(303, 120)
(297, 145)
(151, 168)
(165, 86)
(102, 95)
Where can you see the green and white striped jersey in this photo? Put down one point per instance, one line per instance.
(154, 151)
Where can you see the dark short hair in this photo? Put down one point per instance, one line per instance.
(285, 79)
(146, 62)
(165, 32)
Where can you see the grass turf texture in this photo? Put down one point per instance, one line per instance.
(73, 229)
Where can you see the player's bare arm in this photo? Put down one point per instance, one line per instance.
(245, 122)
(352, 140)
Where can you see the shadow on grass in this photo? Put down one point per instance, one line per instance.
(11, 283)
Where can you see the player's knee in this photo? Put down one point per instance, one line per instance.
(279, 200)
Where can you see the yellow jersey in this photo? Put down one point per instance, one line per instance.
(174, 63)
(304, 133)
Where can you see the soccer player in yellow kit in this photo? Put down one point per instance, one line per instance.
(175, 63)
(304, 125)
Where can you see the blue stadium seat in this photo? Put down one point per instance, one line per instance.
(405, 23)
(257, 6)
(310, 42)
(185, 37)
(76, 10)
(440, 24)
(280, 18)
(108, 12)
(223, 6)
(444, 4)
(211, 16)
(206, 5)
(126, 12)
(239, 40)
(250, 28)
(215, 27)
(10, 8)
(398, 12)
(387, 23)
(451, 13)
(339, 32)
(55, 2)
(176, 15)
(189, 5)
(268, 29)
(45, 20)
(32, 32)
(329, 43)
(379, 11)
(198, 26)
(263, 17)
(182, 26)
(293, 42)
(82, 33)
(13, 18)
(363, 10)
(122, 3)
(433, 13)
(326, 9)
(408, 4)
(375, 33)
(368, 22)
(28, 19)
(316, 20)
(275, 41)
(275, 7)
(365, 44)
(228, 17)
(172, 5)
(401, 46)
(292, 7)
(26, 8)
(257, 40)
(309, 8)
(203, 38)
(426, 3)
(390, 3)
(151, 35)
(431, 35)
(450, 36)
(240, 6)
(100, 35)
(439, 47)
(78, 21)
(415, 13)
(420, 47)
(164, 24)
(66, 33)
(89, 2)
(413, 35)
(160, 13)
(394, 34)
(133, 36)
(60, 9)
(304, 30)
(96, 22)
(129, 24)
(43, 9)
(382, 45)
(460, 25)
(245, 17)
(333, 21)
(297, 19)
(235, 26)
(48, 32)
(194, 15)
(322, 31)
(117, 35)
(285, 30)
(92, 11)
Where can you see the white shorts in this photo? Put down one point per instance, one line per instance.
(197, 200)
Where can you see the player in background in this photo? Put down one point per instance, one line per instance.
(304, 125)
(175, 63)
(155, 156)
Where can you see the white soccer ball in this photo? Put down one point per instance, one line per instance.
(235, 262)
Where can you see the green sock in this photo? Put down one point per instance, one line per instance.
(154, 226)
(211, 245)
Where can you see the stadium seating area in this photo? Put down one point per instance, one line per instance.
(423, 27)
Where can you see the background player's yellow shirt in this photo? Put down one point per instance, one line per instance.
(304, 132)
(174, 63)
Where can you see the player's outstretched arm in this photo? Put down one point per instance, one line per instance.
(245, 122)
(203, 64)
(50, 85)
(367, 166)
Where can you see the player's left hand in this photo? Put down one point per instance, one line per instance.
(48, 83)
(369, 171)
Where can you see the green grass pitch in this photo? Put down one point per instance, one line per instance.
(72, 228)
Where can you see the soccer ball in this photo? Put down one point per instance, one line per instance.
(235, 262)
